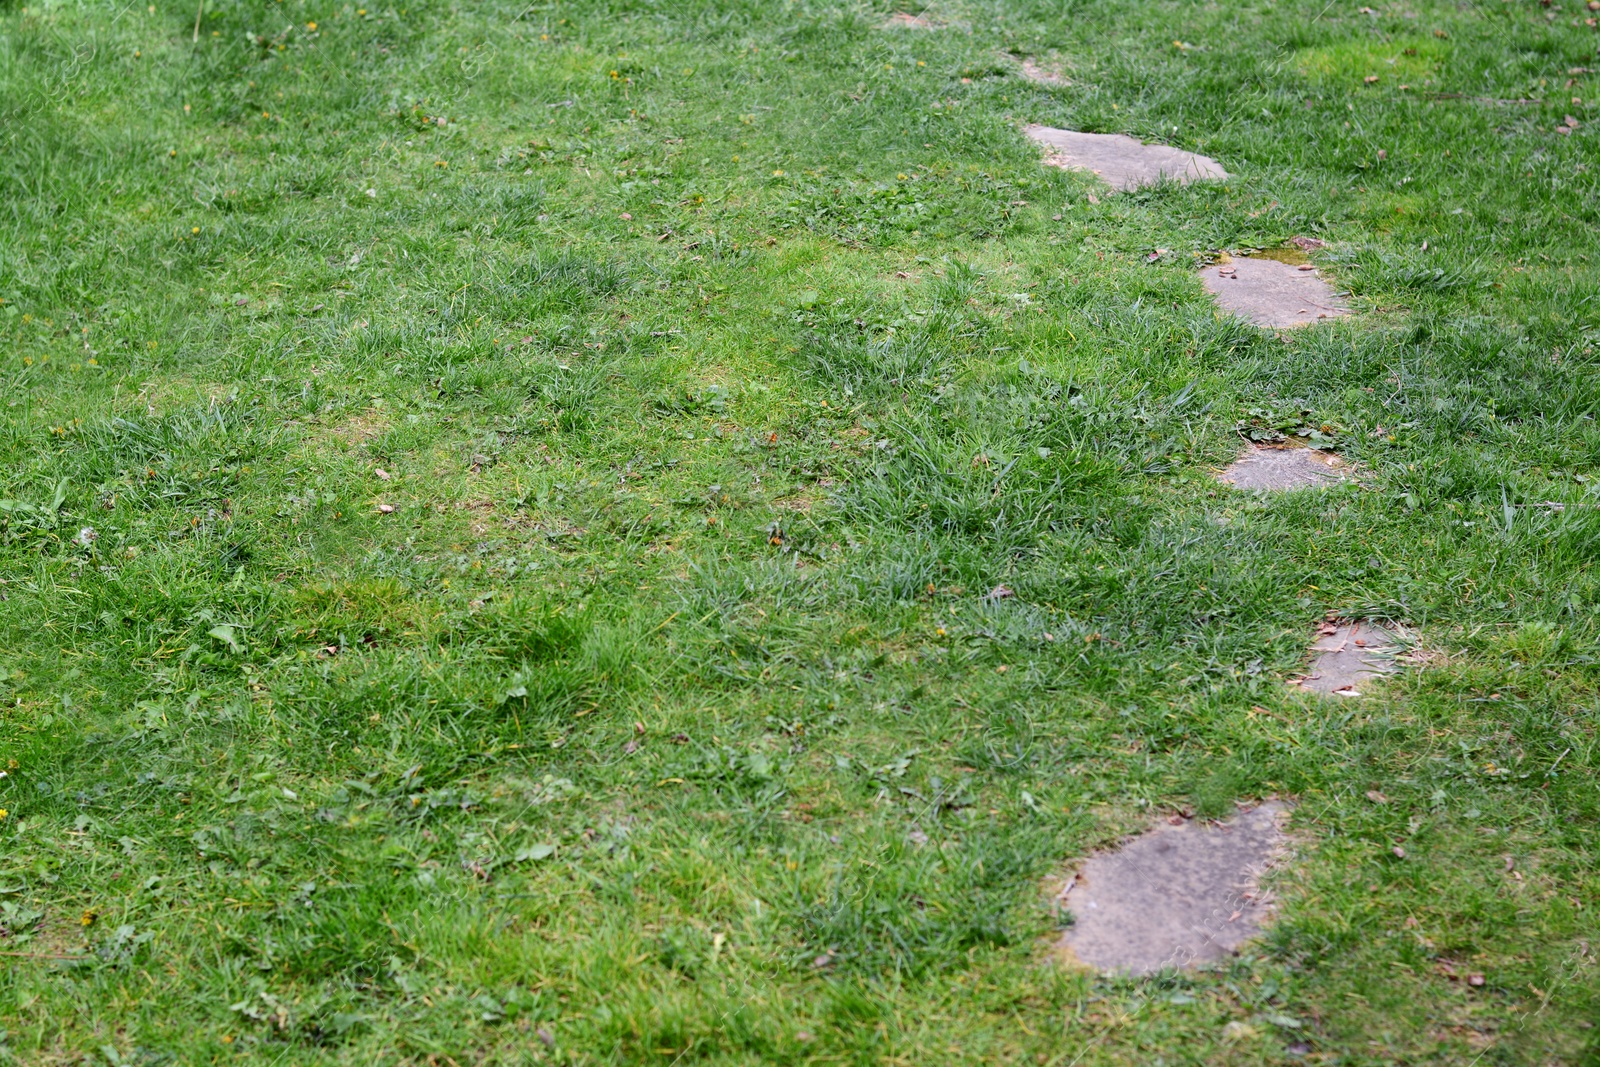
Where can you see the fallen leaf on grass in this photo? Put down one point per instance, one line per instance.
(1376, 797)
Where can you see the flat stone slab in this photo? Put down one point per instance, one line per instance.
(904, 20)
(1275, 468)
(1183, 894)
(1272, 293)
(1035, 73)
(1347, 656)
(1122, 161)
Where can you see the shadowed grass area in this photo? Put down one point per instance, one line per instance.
(628, 532)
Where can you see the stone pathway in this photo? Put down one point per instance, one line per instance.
(1121, 161)
(1348, 657)
(1187, 893)
(1279, 467)
(1182, 894)
(1277, 291)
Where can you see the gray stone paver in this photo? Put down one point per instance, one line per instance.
(1279, 467)
(1348, 656)
(1182, 894)
(1035, 73)
(1272, 293)
(1122, 161)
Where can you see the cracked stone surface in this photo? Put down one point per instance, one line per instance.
(1348, 656)
(1272, 293)
(1122, 161)
(1287, 467)
(1182, 894)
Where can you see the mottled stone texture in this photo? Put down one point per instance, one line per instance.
(1177, 896)
(1347, 656)
(1272, 293)
(1277, 468)
(1123, 162)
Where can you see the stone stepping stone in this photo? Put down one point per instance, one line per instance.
(1278, 467)
(1277, 292)
(1123, 162)
(904, 20)
(1348, 656)
(1183, 894)
(1035, 73)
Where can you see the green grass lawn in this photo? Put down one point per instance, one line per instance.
(503, 512)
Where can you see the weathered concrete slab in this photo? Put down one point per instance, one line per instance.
(1180, 895)
(1348, 656)
(1122, 161)
(1275, 292)
(1278, 467)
